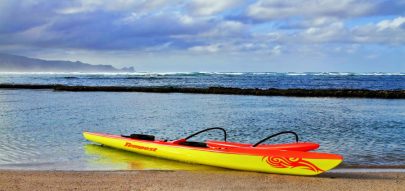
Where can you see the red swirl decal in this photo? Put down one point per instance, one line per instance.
(292, 162)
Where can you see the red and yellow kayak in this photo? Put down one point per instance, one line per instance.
(288, 158)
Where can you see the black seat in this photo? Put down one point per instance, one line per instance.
(195, 144)
(140, 136)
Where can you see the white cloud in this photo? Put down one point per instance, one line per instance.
(83, 6)
(276, 50)
(278, 9)
(384, 32)
(207, 48)
(328, 33)
(225, 29)
(211, 7)
(391, 24)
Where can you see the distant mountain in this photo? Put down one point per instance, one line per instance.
(13, 63)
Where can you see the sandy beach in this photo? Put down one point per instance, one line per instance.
(196, 180)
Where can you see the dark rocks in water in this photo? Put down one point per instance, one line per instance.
(355, 93)
(13, 63)
(26, 86)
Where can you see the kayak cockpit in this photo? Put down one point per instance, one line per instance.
(297, 146)
(140, 137)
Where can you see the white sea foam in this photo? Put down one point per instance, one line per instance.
(205, 73)
(295, 74)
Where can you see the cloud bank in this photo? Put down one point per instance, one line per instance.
(263, 29)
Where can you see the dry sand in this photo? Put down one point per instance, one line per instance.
(196, 180)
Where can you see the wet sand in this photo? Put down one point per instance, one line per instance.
(196, 180)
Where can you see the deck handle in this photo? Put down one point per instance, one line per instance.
(277, 134)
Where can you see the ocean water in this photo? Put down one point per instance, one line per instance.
(41, 129)
(334, 80)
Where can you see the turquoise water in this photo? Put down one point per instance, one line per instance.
(41, 129)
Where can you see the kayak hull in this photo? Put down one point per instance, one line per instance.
(270, 161)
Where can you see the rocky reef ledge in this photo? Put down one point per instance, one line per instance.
(343, 93)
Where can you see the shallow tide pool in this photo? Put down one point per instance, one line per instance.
(41, 129)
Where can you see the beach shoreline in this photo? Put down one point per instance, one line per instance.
(196, 180)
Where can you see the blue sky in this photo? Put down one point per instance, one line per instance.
(210, 35)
